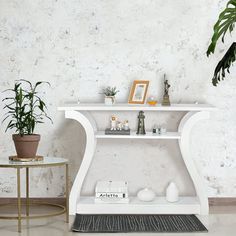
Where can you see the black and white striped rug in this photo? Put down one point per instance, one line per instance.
(137, 223)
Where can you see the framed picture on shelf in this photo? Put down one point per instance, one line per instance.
(138, 92)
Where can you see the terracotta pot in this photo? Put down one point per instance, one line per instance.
(26, 145)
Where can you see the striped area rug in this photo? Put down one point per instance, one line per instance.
(137, 223)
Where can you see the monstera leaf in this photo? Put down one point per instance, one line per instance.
(225, 23)
(224, 64)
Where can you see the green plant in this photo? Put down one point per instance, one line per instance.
(25, 108)
(225, 23)
(110, 91)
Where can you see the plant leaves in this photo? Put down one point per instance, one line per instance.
(224, 64)
(22, 110)
(225, 23)
(27, 81)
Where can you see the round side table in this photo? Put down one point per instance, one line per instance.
(46, 162)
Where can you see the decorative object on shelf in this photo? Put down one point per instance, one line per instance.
(158, 130)
(172, 192)
(111, 192)
(108, 131)
(152, 101)
(109, 93)
(113, 123)
(126, 125)
(25, 110)
(146, 195)
(117, 132)
(141, 125)
(155, 129)
(166, 99)
(117, 127)
(162, 130)
(138, 92)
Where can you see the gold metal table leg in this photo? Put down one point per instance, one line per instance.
(67, 193)
(27, 191)
(18, 199)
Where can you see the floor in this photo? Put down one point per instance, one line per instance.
(221, 221)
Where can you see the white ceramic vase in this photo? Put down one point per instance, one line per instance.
(146, 195)
(172, 192)
(109, 100)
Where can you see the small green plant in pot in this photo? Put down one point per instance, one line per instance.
(109, 93)
(25, 109)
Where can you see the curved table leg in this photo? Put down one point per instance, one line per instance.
(88, 123)
(185, 126)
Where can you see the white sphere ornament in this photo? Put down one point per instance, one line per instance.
(172, 192)
(146, 195)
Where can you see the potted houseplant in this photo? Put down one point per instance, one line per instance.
(25, 109)
(109, 93)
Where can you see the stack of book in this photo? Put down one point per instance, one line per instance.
(111, 192)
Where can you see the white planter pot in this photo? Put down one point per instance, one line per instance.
(172, 192)
(109, 100)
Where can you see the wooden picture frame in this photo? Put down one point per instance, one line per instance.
(138, 92)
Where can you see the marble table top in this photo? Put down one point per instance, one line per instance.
(47, 161)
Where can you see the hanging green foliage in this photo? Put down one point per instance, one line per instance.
(225, 23)
(224, 64)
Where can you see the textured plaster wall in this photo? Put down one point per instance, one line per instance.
(80, 46)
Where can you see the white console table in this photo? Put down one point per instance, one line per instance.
(186, 205)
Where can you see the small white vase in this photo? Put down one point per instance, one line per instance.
(109, 100)
(172, 192)
(146, 195)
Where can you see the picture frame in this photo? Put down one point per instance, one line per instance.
(138, 92)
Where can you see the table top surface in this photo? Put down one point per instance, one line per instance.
(47, 161)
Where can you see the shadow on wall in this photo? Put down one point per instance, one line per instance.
(70, 143)
(177, 170)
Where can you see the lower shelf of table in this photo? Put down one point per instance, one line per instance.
(185, 205)
(49, 206)
(133, 135)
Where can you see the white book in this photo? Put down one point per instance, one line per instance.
(111, 195)
(111, 200)
(112, 186)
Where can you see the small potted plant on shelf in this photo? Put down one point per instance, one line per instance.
(25, 109)
(109, 93)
